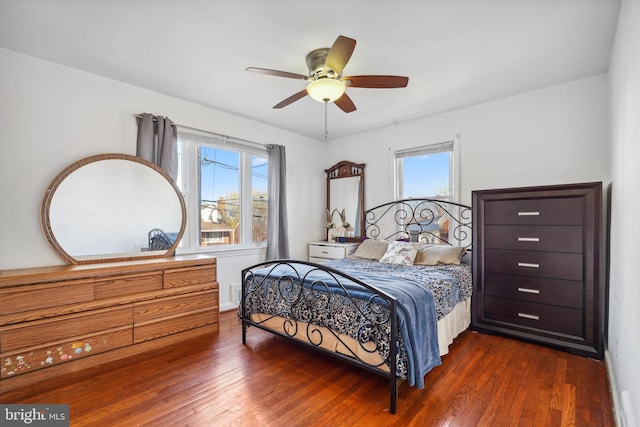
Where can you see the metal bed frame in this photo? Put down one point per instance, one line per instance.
(302, 289)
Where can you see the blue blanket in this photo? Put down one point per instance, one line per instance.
(416, 322)
(415, 309)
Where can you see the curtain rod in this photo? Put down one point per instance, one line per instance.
(223, 137)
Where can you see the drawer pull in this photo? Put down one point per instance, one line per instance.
(528, 265)
(528, 213)
(528, 291)
(528, 239)
(528, 316)
(325, 252)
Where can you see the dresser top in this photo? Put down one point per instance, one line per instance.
(65, 272)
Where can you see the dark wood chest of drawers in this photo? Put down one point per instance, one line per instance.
(537, 265)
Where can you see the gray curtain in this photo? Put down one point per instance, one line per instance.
(157, 142)
(277, 227)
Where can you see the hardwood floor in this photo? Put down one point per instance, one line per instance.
(213, 380)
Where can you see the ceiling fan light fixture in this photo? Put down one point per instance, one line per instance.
(325, 89)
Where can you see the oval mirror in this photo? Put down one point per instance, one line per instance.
(113, 207)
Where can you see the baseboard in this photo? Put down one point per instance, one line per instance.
(622, 409)
(228, 306)
(613, 386)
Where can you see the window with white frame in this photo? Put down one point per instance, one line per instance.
(426, 171)
(224, 182)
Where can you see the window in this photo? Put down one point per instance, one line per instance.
(426, 171)
(225, 186)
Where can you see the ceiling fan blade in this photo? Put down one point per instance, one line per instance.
(293, 98)
(345, 103)
(339, 54)
(277, 73)
(377, 82)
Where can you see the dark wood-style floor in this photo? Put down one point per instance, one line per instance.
(214, 380)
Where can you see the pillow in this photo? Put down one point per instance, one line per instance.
(371, 249)
(401, 253)
(439, 254)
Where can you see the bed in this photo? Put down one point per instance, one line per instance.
(392, 307)
(159, 240)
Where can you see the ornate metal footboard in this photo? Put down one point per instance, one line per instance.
(309, 302)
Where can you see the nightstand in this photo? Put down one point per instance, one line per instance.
(323, 251)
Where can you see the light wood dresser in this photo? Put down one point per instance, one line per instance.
(56, 320)
(537, 267)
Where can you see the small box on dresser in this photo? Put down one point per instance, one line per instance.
(537, 265)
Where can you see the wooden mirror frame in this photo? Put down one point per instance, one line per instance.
(347, 169)
(45, 212)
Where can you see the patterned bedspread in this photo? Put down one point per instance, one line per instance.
(417, 350)
(449, 284)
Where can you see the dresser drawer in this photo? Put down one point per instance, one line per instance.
(554, 265)
(552, 211)
(21, 362)
(181, 304)
(550, 318)
(131, 284)
(189, 276)
(327, 252)
(560, 238)
(63, 328)
(535, 289)
(34, 297)
(169, 325)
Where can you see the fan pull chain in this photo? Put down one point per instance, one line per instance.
(326, 132)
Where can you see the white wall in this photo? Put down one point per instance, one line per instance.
(555, 135)
(624, 286)
(51, 116)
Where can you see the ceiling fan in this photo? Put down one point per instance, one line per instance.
(326, 83)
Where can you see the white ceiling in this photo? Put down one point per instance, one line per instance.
(455, 52)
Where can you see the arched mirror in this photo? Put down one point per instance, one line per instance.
(345, 201)
(113, 207)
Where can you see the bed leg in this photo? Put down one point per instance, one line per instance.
(394, 396)
(243, 311)
(244, 333)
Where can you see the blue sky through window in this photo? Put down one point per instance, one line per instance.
(259, 173)
(219, 173)
(426, 176)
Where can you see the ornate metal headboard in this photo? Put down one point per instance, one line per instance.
(420, 220)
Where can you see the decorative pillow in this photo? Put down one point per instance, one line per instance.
(371, 249)
(439, 254)
(401, 253)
